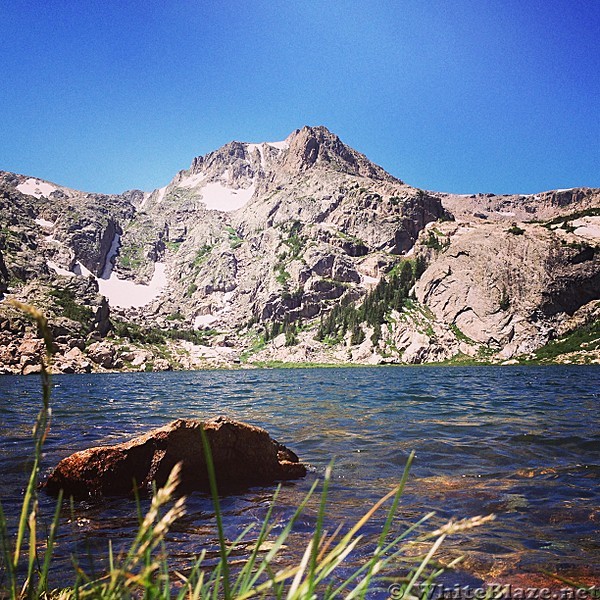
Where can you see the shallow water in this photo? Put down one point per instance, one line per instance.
(520, 442)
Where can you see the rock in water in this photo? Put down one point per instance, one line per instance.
(243, 455)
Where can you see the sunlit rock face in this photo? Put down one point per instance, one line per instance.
(243, 455)
(257, 235)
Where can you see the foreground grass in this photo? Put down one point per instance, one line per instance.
(144, 570)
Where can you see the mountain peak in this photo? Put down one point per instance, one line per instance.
(318, 147)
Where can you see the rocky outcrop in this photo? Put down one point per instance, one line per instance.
(508, 287)
(243, 455)
(3, 275)
(256, 238)
(102, 353)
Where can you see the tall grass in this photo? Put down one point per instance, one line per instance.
(143, 570)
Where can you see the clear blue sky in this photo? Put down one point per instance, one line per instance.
(453, 95)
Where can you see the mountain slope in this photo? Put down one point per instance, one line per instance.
(300, 250)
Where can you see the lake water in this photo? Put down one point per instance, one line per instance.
(520, 442)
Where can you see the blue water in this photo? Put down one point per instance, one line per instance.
(520, 442)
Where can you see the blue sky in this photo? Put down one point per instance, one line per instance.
(454, 95)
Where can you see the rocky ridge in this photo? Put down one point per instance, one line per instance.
(288, 252)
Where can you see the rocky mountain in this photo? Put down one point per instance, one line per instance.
(296, 251)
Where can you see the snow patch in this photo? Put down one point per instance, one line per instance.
(260, 147)
(128, 294)
(367, 280)
(59, 270)
(161, 194)
(37, 188)
(144, 200)
(44, 223)
(120, 292)
(202, 321)
(218, 197)
(192, 180)
(283, 145)
(587, 227)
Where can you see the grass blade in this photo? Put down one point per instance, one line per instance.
(215, 498)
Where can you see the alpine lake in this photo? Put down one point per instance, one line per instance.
(522, 443)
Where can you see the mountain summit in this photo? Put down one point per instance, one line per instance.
(297, 250)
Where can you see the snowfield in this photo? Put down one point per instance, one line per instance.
(218, 197)
(37, 188)
(120, 292)
(588, 227)
(128, 294)
(44, 223)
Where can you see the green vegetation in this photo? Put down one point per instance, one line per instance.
(131, 257)
(290, 337)
(588, 212)
(463, 360)
(201, 255)
(390, 294)
(580, 246)
(279, 364)
(156, 335)
(234, 239)
(295, 244)
(460, 335)
(583, 339)
(199, 259)
(70, 308)
(173, 246)
(350, 238)
(515, 229)
(9, 233)
(176, 316)
(282, 276)
(433, 241)
(420, 315)
(288, 327)
(257, 344)
(144, 569)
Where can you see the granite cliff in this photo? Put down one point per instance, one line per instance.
(296, 251)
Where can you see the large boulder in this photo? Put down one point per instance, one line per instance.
(243, 455)
(102, 353)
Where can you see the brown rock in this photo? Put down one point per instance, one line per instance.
(31, 347)
(75, 354)
(102, 354)
(243, 455)
(162, 364)
(31, 369)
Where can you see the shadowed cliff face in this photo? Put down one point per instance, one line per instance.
(254, 237)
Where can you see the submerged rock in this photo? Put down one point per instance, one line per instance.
(243, 455)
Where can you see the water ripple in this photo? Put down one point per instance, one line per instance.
(520, 442)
